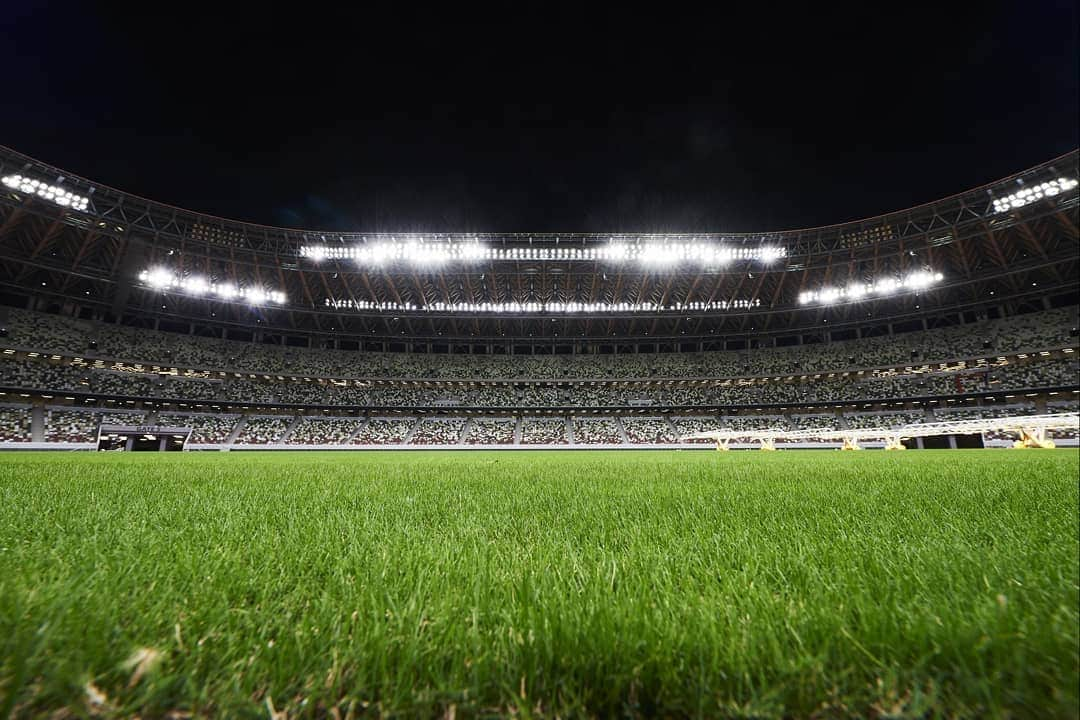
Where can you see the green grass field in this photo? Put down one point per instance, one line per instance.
(540, 584)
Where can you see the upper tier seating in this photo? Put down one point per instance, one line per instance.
(51, 333)
(48, 376)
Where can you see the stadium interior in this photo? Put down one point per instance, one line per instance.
(119, 310)
(361, 362)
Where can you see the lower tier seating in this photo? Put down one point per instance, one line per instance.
(79, 424)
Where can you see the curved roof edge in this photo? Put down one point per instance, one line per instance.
(14, 161)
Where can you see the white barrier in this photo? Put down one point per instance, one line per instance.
(1030, 431)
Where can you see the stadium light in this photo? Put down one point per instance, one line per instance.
(650, 251)
(772, 254)
(225, 291)
(1028, 195)
(53, 193)
(657, 255)
(883, 287)
(160, 278)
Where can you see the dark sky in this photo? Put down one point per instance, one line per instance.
(545, 121)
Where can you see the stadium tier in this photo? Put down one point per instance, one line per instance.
(258, 337)
(15, 423)
(491, 431)
(80, 380)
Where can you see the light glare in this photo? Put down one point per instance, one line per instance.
(1028, 195)
(883, 287)
(53, 193)
(648, 251)
(160, 278)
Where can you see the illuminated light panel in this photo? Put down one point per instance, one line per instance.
(555, 306)
(880, 288)
(650, 252)
(163, 279)
(1028, 195)
(53, 193)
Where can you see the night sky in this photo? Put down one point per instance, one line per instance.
(543, 122)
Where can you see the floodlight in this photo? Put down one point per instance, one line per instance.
(772, 254)
(886, 286)
(830, 294)
(226, 291)
(472, 251)
(1028, 195)
(255, 296)
(656, 251)
(658, 255)
(883, 287)
(52, 193)
(158, 278)
(918, 280)
(195, 285)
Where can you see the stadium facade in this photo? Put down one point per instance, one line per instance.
(118, 309)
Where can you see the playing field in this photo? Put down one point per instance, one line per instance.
(542, 584)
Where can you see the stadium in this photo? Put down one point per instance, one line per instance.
(543, 567)
(128, 314)
(369, 361)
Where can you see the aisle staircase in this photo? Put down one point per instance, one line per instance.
(359, 426)
(236, 430)
(412, 430)
(671, 426)
(622, 431)
(291, 429)
(465, 431)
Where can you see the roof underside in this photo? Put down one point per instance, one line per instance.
(92, 259)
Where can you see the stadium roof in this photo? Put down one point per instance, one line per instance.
(84, 245)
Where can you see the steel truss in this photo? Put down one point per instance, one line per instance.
(85, 259)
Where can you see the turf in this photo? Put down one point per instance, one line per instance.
(540, 584)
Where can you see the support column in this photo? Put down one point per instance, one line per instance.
(133, 262)
(37, 423)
